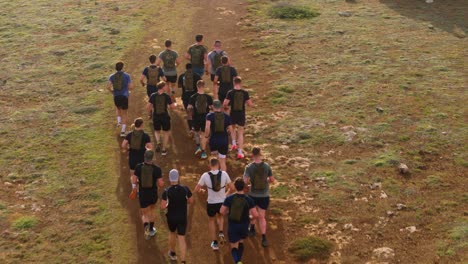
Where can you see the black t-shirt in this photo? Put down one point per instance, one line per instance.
(176, 197)
(225, 85)
(145, 138)
(160, 75)
(231, 96)
(186, 94)
(193, 102)
(152, 101)
(148, 193)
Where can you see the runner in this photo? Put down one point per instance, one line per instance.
(219, 124)
(175, 199)
(199, 106)
(120, 84)
(214, 59)
(239, 208)
(222, 83)
(136, 142)
(197, 54)
(171, 60)
(237, 98)
(152, 74)
(216, 181)
(259, 174)
(157, 108)
(148, 177)
(188, 82)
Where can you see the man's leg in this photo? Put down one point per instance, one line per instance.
(124, 119)
(262, 220)
(240, 139)
(220, 222)
(151, 216)
(118, 114)
(172, 241)
(166, 135)
(234, 137)
(157, 136)
(222, 162)
(212, 228)
(235, 251)
(183, 247)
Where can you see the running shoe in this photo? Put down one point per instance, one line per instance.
(172, 255)
(214, 245)
(147, 232)
(164, 152)
(264, 242)
(158, 147)
(221, 237)
(240, 155)
(252, 232)
(203, 155)
(152, 232)
(234, 148)
(122, 134)
(198, 150)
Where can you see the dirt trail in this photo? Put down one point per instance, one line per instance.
(217, 21)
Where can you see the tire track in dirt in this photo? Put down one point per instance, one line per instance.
(216, 20)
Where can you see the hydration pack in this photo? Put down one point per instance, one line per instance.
(238, 100)
(226, 74)
(219, 122)
(146, 179)
(169, 59)
(159, 103)
(237, 208)
(153, 73)
(217, 59)
(201, 104)
(196, 55)
(136, 139)
(117, 83)
(188, 81)
(259, 179)
(216, 181)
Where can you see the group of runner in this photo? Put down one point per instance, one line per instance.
(246, 199)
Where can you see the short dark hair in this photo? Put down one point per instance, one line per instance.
(188, 66)
(224, 59)
(199, 37)
(256, 151)
(239, 184)
(217, 42)
(214, 162)
(161, 85)
(200, 83)
(138, 122)
(168, 43)
(119, 66)
(152, 58)
(237, 80)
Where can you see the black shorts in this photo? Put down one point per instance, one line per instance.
(146, 201)
(238, 118)
(134, 159)
(237, 231)
(199, 123)
(162, 122)
(212, 76)
(151, 90)
(221, 97)
(171, 79)
(213, 209)
(179, 225)
(223, 150)
(262, 202)
(121, 102)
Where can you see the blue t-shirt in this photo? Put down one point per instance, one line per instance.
(126, 81)
(219, 138)
(245, 214)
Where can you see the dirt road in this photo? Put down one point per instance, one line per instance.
(216, 20)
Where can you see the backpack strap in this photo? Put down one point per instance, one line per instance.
(217, 175)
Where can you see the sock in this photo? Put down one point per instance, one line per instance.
(151, 225)
(234, 142)
(133, 186)
(215, 241)
(239, 151)
(145, 224)
(124, 127)
(240, 251)
(234, 254)
(252, 227)
(119, 119)
(197, 138)
(263, 236)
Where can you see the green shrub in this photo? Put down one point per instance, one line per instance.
(289, 11)
(311, 247)
(25, 222)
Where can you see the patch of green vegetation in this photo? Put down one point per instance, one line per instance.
(459, 232)
(350, 161)
(308, 219)
(433, 180)
(25, 222)
(386, 159)
(276, 211)
(306, 248)
(291, 11)
(281, 191)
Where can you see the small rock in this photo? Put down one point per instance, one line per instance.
(383, 253)
(403, 169)
(375, 185)
(116, 8)
(379, 109)
(410, 229)
(348, 226)
(246, 69)
(320, 179)
(8, 183)
(345, 14)
(390, 213)
(429, 1)
(383, 195)
(400, 206)
(430, 26)
(459, 33)
(350, 135)
(347, 128)
(114, 31)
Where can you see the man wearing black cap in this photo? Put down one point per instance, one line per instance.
(148, 177)
(175, 199)
(217, 129)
